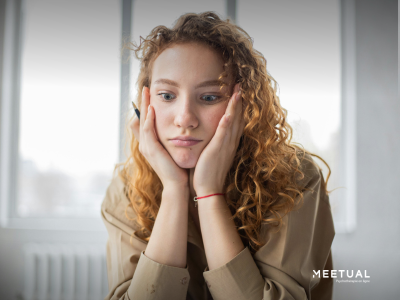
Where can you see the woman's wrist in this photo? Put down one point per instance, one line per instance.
(208, 191)
(177, 191)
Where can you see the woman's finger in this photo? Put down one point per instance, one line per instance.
(238, 115)
(231, 113)
(143, 112)
(232, 102)
(144, 106)
(242, 125)
(223, 132)
(152, 142)
(148, 126)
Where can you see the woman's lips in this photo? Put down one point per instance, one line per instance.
(184, 143)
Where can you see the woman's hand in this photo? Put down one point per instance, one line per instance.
(216, 159)
(150, 147)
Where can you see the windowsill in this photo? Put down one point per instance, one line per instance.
(81, 224)
(96, 225)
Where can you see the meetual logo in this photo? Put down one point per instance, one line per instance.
(358, 277)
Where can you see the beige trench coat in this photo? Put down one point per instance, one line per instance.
(281, 269)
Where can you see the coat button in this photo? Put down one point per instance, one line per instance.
(184, 280)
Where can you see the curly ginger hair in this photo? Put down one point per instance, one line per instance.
(262, 185)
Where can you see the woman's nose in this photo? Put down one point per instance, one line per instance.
(186, 116)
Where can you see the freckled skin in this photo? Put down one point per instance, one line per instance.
(187, 113)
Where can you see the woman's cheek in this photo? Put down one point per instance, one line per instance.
(213, 121)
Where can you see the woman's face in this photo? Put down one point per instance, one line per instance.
(187, 99)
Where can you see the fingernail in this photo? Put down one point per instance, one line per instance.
(238, 95)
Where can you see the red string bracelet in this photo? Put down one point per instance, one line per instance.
(195, 198)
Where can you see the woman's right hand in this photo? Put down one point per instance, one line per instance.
(150, 147)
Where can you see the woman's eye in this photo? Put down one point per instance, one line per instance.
(166, 96)
(210, 98)
(207, 98)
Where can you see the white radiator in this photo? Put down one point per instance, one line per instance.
(65, 272)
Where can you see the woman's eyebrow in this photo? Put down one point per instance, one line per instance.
(203, 84)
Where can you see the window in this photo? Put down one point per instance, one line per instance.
(69, 107)
(301, 43)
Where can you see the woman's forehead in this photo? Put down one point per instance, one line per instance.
(193, 54)
(188, 61)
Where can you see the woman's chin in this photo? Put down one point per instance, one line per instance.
(186, 164)
(185, 160)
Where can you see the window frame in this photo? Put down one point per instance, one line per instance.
(348, 128)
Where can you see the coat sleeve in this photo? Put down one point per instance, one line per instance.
(283, 268)
(132, 275)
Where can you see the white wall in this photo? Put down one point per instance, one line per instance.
(375, 244)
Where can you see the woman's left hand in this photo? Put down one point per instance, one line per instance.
(216, 159)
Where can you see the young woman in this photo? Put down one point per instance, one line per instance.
(211, 124)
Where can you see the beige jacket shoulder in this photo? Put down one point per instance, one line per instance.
(282, 269)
